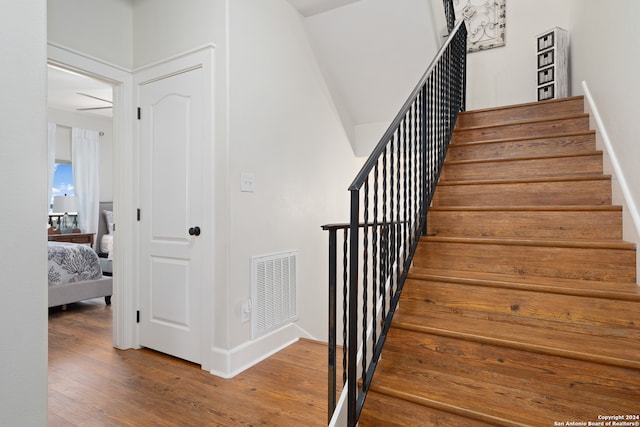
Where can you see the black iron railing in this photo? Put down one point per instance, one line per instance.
(389, 202)
(449, 14)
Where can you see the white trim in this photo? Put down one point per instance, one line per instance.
(77, 54)
(631, 232)
(229, 363)
(175, 57)
(340, 414)
(124, 261)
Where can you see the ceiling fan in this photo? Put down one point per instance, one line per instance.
(97, 98)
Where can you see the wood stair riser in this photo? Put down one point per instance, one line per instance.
(539, 193)
(580, 380)
(572, 263)
(500, 404)
(537, 110)
(523, 168)
(621, 291)
(618, 349)
(384, 410)
(551, 224)
(565, 312)
(533, 128)
(579, 143)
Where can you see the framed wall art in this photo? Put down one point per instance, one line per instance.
(486, 22)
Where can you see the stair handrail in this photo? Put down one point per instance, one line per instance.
(411, 154)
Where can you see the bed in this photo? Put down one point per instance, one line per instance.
(75, 272)
(104, 238)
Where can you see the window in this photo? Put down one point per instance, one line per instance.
(62, 181)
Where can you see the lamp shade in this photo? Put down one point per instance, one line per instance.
(65, 204)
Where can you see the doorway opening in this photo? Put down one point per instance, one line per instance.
(80, 115)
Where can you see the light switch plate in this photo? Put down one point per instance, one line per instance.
(246, 182)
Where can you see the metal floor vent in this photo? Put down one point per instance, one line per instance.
(274, 291)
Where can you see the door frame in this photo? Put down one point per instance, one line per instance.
(124, 298)
(202, 58)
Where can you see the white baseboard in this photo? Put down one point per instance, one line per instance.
(229, 363)
(340, 416)
(621, 195)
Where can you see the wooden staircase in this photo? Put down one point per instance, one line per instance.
(521, 307)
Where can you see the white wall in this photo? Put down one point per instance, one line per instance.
(69, 119)
(284, 128)
(373, 53)
(274, 118)
(101, 29)
(608, 60)
(23, 172)
(164, 28)
(507, 75)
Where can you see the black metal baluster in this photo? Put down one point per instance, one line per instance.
(345, 300)
(392, 250)
(429, 89)
(398, 241)
(405, 217)
(423, 159)
(414, 132)
(374, 240)
(384, 272)
(333, 273)
(410, 173)
(365, 277)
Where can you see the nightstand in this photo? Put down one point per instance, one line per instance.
(86, 238)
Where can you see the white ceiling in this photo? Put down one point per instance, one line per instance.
(314, 7)
(71, 91)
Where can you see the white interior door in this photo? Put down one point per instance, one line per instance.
(171, 185)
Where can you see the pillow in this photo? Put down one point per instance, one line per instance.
(108, 218)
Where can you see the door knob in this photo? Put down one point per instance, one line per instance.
(194, 231)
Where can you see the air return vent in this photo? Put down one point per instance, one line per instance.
(274, 281)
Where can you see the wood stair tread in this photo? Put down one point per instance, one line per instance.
(524, 121)
(564, 208)
(553, 125)
(572, 243)
(522, 138)
(523, 158)
(625, 291)
(523, 104)
(558, 178)
(538, 105)
(604, 349)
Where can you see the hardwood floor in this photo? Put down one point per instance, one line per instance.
(93, 384)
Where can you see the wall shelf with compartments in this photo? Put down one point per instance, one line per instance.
(552, 49)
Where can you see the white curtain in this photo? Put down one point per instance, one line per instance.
(51, 165)
(85, 156)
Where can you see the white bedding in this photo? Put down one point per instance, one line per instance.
(71, 262)
(106, 245)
